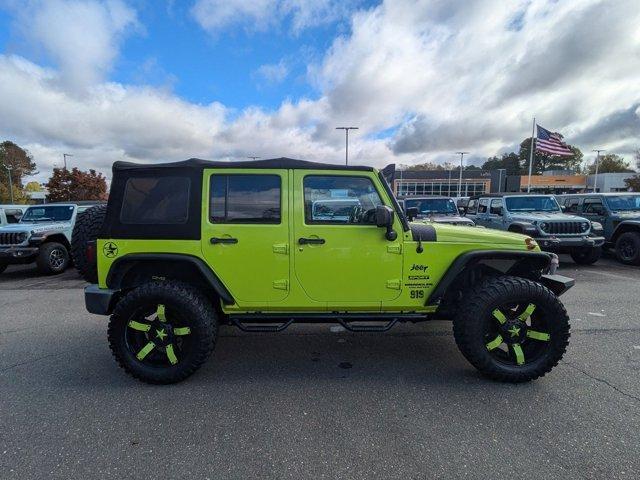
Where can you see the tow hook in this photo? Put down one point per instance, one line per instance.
(554, 264)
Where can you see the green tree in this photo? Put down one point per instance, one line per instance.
(509, 161)
(610, 163)
(633, 183)
(76, 185)
(21, 164)
(33, 187)
(543, 162)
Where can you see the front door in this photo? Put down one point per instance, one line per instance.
(340, 256)
(245, 230)
(593, 209)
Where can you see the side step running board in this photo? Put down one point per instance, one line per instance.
(261, 328)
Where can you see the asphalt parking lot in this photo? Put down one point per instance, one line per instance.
(311, 402)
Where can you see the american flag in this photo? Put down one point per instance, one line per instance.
(551, 143)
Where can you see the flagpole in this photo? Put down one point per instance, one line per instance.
(533, 133)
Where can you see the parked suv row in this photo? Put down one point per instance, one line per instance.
(618, 213)
(540, 217)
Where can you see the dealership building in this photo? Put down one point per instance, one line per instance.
(476, 182)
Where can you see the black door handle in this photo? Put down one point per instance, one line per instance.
(311, 241)
(216, 240)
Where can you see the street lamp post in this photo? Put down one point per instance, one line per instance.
(10, 181)
(462, 154)
(346, 142)
(64, 157)
(595, 179)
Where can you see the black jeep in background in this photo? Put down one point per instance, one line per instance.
(619, 214)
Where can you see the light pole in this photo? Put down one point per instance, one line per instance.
(64, 157)
(10, 182)
(462, 154)
(595, 179)
(346, 142)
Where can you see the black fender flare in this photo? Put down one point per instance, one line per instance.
(39, 238)
(524, 228)
(624, 227)
(537, 260)
(126, 263)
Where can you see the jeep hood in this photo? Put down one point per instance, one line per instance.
(441, 218)
(466, 234)
(544, 217)
(36, 227)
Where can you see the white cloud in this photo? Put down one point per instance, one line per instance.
(82, 37)
(273, 72)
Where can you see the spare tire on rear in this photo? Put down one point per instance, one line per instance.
(83, 240)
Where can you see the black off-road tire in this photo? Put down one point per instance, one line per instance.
(185, 301)
(586, 256)
(53, 258)
(476, 309)
(628, 248)
(86, 229)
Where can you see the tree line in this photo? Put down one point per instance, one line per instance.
(17, 164)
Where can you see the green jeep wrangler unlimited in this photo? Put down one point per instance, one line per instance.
(184, 247)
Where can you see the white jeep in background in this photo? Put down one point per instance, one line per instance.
(43, 236)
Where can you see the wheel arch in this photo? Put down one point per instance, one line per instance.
(133, 270)
(57, 237)
(468, 267)
(624, 227)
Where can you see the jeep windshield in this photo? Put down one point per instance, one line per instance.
(57, 213)
(532, 204)
(623, 203)
(428, 206)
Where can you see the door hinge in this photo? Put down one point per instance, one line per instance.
(281, 248)
(395, 248)
(281, 284)
(393, 284)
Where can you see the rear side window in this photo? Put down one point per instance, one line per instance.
(496, 206)
(592, 205)
(244, 199)
(473, 206)
(571, 205)
(156, 200)
(483, 205)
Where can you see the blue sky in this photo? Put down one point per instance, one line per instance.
(151, 81)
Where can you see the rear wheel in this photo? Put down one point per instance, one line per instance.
(512, 329)
(628, 248)
(52, 258)
(85, 232)
(162, 332)
(586, 256)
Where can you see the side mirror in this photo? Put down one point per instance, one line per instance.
(563, 208)
(384, 218)
(412, 213)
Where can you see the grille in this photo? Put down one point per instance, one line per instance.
(13, 238)
(564, 228)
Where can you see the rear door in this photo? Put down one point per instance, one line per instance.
(245, 232)
(340, 256)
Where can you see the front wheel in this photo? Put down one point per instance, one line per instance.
(586, 256)
(162, 332)
(52, 258)
(512, 329)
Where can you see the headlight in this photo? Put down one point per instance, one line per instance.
(544, 226)
(22, 236)
(584, 226)
(596, 226)
(530, 243)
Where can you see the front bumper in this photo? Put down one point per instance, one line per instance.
(552, 244)
(100, 301)
(17, 254)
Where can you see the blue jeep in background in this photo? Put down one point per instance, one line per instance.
(619, 213)
(540, 217)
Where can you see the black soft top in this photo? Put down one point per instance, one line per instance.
(281, 163)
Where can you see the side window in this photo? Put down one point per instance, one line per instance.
(13, 215)
(340, 200)
(483, 205)
(572, 205)
(496, 206)
(244, 199)
(593, 206)
(472, 207)
(155, 200)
